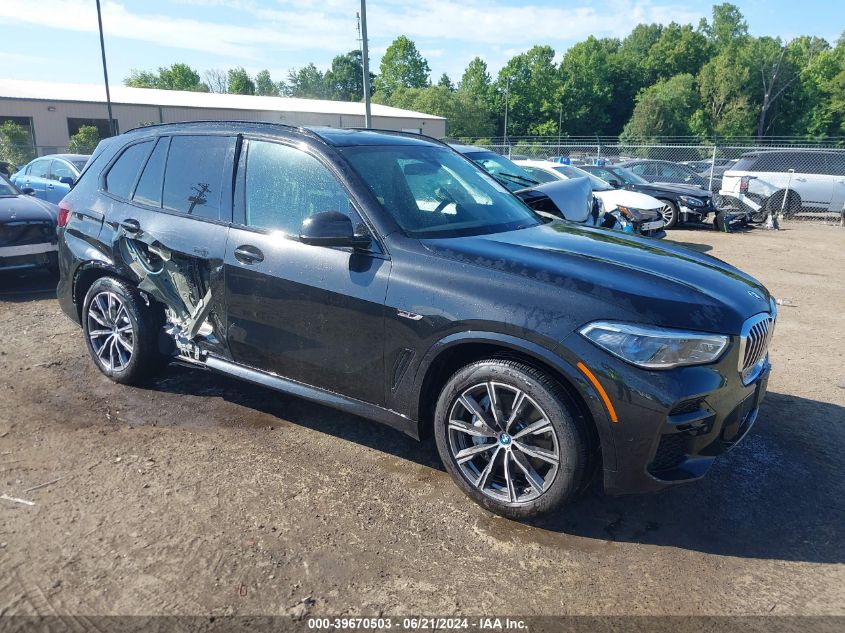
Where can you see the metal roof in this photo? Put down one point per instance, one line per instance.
(96, 93)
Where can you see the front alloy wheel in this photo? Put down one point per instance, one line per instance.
(511, 437)
(503, 442)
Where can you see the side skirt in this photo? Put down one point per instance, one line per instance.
(315, 394)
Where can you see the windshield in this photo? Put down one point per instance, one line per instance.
(627, 176)
(504, 170)
(79, 164)
(596, 183)
(7, 188)
(434, 192)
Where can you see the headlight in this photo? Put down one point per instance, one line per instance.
(628, 212)
(691, 202)
(654, 347)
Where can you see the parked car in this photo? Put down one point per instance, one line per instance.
(544, 199)
(27, 230)
(50, 177)
(758, 181)
(643, 212)
(386, 275)
(665, 171)
(682, 203)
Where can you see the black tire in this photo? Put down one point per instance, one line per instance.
(142, 355)
(775, 203)
(563, 433)
(670, 213)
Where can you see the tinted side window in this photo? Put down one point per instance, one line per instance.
(746, 163)
(197, 170)
(149, 186)
(642, 170)
(40, 169)
(122, 176)
(775, 162)
(285, 185)
(60, 169)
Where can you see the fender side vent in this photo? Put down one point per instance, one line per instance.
(403, 360)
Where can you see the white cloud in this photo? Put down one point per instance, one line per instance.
(262, 33)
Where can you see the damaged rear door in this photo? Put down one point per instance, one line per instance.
(170, 231)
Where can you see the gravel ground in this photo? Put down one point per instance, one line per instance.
(201, 495)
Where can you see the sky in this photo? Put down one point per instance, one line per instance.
(56, 40)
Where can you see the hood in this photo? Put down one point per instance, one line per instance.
(632, 199)
(638, 279)
(672, 187)
(26, 209)
(573, 197)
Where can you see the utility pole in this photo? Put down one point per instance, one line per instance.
(507, 96)
(559, 125)
(112, 126)
(365, 62)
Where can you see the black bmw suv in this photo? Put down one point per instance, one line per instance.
(386, 275)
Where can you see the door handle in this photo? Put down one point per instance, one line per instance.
(131, 225)
(248, 254)
(50, 186)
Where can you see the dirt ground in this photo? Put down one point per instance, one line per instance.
(202, 495)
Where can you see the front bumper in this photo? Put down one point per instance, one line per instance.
(672, 424)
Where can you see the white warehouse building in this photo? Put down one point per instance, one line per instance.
(53, 112)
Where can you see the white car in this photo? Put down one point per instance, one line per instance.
(612, 199)
(815, 180)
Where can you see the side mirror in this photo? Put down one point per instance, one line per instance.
(614, 183)
(331, 228)
(28, 191)
(66, 180)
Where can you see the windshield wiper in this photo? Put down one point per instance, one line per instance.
(518, 179)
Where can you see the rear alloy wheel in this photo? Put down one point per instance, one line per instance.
(669, 213)
(511, 438)
(121, 331)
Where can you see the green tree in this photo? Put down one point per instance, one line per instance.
(529, 84)
(175, 77)
(463, 117)
(728, 25)
(476, 81)
(598, 88)
(678, 50)
(344, 81)
(823, 86)
(638, 43)
(240, 82)
(84, 141)
(16, 147)
(264, 85)
(663, 109)
(445, 82)
(306, 83)
(402, 66)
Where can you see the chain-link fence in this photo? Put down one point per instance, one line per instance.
(800, 181)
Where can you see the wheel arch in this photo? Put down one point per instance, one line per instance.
(85, 277)
(459, 350)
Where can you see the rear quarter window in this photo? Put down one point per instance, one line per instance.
(746, 163)
(198, 168)
(123, 174)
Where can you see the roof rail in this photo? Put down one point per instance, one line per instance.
(303, 130)
(399, 133)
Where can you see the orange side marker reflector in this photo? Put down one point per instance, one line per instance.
(607, 403)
